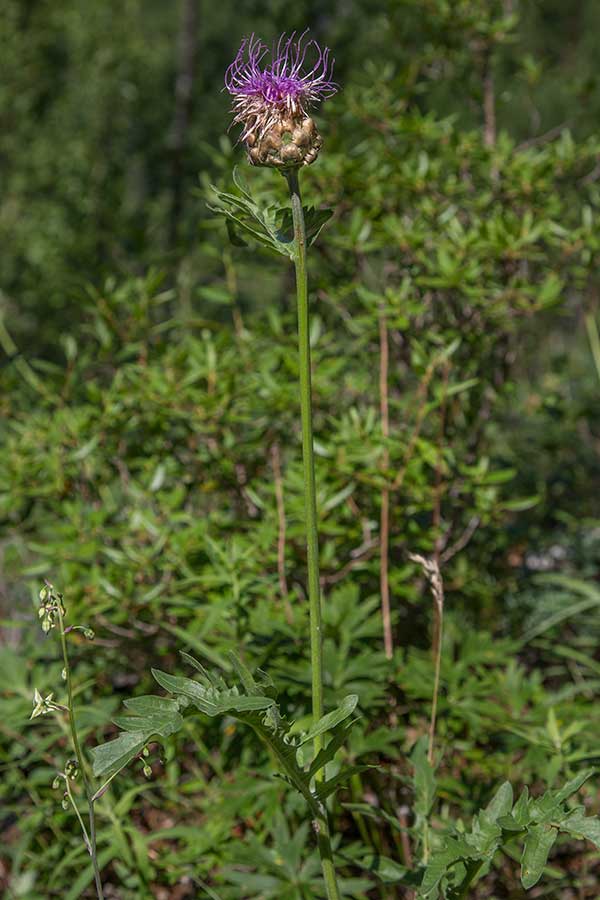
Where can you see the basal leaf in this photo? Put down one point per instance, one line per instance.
(538, 843)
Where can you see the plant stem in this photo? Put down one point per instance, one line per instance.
(91, 841)
(594, 339)
(437, 583)
(310, 511)
(384, 527)
(310, 496)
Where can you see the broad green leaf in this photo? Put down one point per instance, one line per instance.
(244, 674)
(153, 716)
(384, 868)
(501, 803)
(578, 825)
(211, 701)
(152, 707)
(114, 755)
(424, 778)
(538, 844)
(245, 704)
(327, 753)
(521, 808)
(186, 687)
(192, 661)
(329, 721)
(572, 786)
(243, 214)
(452, 852)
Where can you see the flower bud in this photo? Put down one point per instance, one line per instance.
(71, 768)
(51, 607)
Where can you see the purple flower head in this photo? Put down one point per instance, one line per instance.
(287, 86)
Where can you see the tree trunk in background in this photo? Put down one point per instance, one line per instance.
(187, 47)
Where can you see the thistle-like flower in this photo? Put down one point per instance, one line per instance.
(271, 101)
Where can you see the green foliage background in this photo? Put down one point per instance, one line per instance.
(153, 401)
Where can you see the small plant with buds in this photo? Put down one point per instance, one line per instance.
(52, 613)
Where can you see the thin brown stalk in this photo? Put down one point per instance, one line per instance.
(433, 574)
(384, 527)
(438, 605)
(437, 491)
(462, 541)
(489, 103)
(435, 577)
(357, 556)
(278, 481)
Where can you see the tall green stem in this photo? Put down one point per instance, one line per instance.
(310, 510)
(91, 841)
(594, 339)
